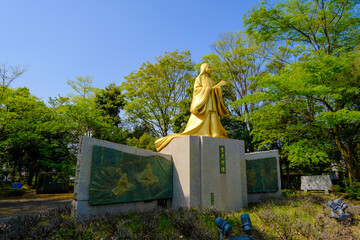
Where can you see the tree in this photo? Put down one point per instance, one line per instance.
(145, 142)
(329, 25)
(33, 138)
(82, 85)
(238, 58)
(181, 119)
(154, 91)
(9, 73)
(321, 82)
(111, 101)
(313, 106)
(87, 116)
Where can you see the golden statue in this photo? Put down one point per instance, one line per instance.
(206, 107)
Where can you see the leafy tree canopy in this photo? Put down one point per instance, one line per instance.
(237, 59)
(309, 98)
(111, 101)
(312, 106)
(32, 137)
(82, 86)
(331, 25)
(154, 91)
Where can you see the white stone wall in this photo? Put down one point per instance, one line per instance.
(196, 175)
(80, 205)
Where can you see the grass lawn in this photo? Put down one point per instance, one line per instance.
(300, 216)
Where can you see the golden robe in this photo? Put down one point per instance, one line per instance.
(206, 107)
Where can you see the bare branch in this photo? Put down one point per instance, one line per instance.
(8, 73)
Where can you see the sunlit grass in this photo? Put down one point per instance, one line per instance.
(303, 216)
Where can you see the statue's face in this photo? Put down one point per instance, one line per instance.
(208, 70)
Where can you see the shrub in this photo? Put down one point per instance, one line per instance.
(191, 223)
(288, 192)
(13, 192)
(289, 217)
(353, 192)
(337, 189)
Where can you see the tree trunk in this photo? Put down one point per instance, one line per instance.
(13, 173)
(30, 178)
(352, 165)
(36, 179)
(287, 173)
(282, 176)
(351, 160)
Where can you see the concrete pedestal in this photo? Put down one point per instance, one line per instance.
(208, 172)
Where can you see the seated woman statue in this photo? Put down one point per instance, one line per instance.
(206, 107)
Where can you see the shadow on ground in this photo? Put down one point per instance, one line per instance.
(32, 203)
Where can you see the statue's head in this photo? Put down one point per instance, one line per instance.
(203, 68)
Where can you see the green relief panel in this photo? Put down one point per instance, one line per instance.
(118, 177)
(262, 175)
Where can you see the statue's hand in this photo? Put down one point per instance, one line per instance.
(220, 84)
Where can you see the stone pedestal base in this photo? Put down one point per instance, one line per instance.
(208, 172)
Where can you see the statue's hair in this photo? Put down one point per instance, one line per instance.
(202, 68)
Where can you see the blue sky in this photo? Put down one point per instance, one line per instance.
(107, 39)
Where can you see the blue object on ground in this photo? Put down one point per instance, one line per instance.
(16, 185)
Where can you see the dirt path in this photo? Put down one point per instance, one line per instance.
(32, 203)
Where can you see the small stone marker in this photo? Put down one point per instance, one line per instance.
(316, 183)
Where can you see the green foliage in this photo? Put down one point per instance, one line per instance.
(82, 85)
(309, 99)
(111, 101)
(88, 118)
(237, 59)
(35, 137)
(289, 193)
(154, 91)
(311, 107)
(32, 137)
(8, 192)
(331, 25)
(181, 119)
(145, 142)
(349, 191)
(92, 112)
(353, 192)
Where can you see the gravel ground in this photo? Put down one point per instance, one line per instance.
(32, 203)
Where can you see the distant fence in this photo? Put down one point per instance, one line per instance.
(291, 181)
